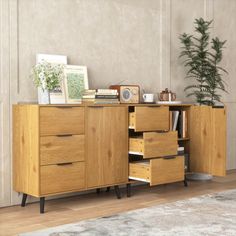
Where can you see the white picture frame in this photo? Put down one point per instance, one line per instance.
(76, 81)
(57, 96)
(57, 59)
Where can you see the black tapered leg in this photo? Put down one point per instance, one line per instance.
(24, 197)
(42, 203)
(185, 182)
(108, 189)
(98, 190)
(117, 190)
(128, 189)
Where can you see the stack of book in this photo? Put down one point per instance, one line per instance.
(101, 96)
(106, 96)
(88, 95)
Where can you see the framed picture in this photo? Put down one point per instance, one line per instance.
(56, 96)
(76, 81)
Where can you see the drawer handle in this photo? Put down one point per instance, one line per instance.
(64, 135)
(64, 107)
(169, 157)
(64, 164)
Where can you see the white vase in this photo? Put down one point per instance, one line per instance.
(43, 96)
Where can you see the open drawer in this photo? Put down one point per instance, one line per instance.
(158, 171)
(149, 118)
(154, 144)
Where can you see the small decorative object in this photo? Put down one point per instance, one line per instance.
(148, 97)
(76, 82)
(167, 95)
(127, 93)
(203, 57)
(47, 77)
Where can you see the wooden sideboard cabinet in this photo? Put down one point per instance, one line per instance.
(61, 149)
(68, 148)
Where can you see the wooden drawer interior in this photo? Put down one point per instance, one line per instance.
(150, 118)
(158, 171)
(154, 144)
(61, 149)
(62, 178)
(61, 120)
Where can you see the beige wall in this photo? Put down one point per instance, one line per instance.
(131, 40)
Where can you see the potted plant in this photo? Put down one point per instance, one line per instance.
(47, 77)
(202, 58)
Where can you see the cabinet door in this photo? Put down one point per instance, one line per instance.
(106, 145)
(208, 140)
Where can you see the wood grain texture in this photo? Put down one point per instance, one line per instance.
(160, 144)
(61, 120)
(140, 170)
(218, 158)
(26, 149)
(208, 140)
(151, 118)
(200, 138)
(107, 145)
(62, 178)
(165, 171)
(154, 144)
(131, 120)
(158, 171)
(136, 144)
(61, 149)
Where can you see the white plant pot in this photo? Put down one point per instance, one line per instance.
(43, 96)
(199, 176)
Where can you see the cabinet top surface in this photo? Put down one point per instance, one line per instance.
(104, 105)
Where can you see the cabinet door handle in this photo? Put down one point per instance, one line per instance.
(169, 157)
(64, 135)
(154, 106)
(65, 164)
(95, 106)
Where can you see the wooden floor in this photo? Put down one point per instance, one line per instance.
(14, 220)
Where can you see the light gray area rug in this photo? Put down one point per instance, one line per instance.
(209, 215)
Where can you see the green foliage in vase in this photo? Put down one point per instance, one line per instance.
(47, 76)
(202, 58)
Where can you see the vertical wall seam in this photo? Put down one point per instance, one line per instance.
(161, 44)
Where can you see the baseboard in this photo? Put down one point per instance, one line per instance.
(231, 171)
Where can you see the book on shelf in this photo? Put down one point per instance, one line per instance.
(175, 118)
(106, 92)
(179, 122)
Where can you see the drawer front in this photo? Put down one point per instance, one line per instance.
(154, 144)
(61, 120)
(61, 149)
(165, 170)
(160, 144)
(151, 118)
(62, 178)
(139, 171)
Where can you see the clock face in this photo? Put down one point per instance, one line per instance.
(126, 94)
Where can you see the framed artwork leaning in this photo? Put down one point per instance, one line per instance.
(76, 81)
